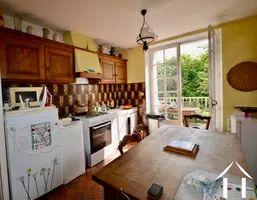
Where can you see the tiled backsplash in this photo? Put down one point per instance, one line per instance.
(67, 96)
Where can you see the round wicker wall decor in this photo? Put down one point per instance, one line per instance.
(243, 76)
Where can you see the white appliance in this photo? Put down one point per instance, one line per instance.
(72, 144)
(100, 133)
(246, 131)
(32, 93)
(33, 152)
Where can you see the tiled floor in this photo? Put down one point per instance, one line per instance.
(83, 188)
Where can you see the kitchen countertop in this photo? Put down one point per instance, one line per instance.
(123, 111)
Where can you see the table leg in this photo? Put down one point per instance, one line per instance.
(110, 193)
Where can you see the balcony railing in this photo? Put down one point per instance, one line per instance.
(197, 102)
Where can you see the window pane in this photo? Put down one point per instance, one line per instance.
(171, 84)
(158, 57)
(170, 53)
(171, 69)
(160, 70)
(160, 85)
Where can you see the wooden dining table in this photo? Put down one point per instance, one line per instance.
(147, 163)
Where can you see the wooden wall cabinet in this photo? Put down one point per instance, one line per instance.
(108, 70)
(59, 65)
(21, 60)
(114, 69)
(26, 57)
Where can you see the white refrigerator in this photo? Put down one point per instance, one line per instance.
(33, 152)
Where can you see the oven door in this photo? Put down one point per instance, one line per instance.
(100, 136)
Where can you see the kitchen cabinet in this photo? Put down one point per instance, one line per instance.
(26, 57)
(114, 69)
(108, 70)
(127, 122)
(245, 129)
(120, 73)
(21, 60)
(59, 64)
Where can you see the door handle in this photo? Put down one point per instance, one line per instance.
(214, 102)
(103, 125)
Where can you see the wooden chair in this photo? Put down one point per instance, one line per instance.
(142, 130)
(196, 116)
(122, 195)
(135, 137)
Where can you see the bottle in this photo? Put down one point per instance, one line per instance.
(104, 108)
(99, 108)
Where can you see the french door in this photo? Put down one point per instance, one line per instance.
(166, 83)
(165, 75)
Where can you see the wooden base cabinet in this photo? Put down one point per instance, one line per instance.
(114, 69)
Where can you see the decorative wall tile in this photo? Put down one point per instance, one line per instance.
(67, 96)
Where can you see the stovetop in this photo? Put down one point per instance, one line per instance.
(89, 115)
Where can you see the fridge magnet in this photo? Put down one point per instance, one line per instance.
(41, 135)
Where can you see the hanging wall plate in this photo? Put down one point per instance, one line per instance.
(243, 76)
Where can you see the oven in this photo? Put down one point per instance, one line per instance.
(100, 136)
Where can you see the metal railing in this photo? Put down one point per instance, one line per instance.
(197, 102)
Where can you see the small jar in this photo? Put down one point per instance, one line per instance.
(31, 30)
(57, 37)
(46, 33)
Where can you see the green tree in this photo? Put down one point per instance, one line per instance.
(194, 75)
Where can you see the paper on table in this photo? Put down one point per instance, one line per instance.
(234, 193)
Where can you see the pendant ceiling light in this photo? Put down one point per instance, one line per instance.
(146, 34)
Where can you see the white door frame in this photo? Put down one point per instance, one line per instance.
(3, 161)
(218, 71)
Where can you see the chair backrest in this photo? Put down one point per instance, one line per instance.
(135, 137)
(187, 119)
(122, 195)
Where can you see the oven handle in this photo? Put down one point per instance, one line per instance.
(97, 127)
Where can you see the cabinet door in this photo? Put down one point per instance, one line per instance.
(123, 126)
(249, 147)
(59, 65)
(121, 73)
(108, 70)
(133, 122)
(21, 60)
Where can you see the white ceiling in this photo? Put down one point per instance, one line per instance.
(117, 22)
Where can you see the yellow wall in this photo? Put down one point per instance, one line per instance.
(135, 64)
(239, 43)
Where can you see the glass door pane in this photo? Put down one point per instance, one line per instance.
(165, 84)
(194, 76)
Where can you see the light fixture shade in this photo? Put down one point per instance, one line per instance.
(145, 36)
